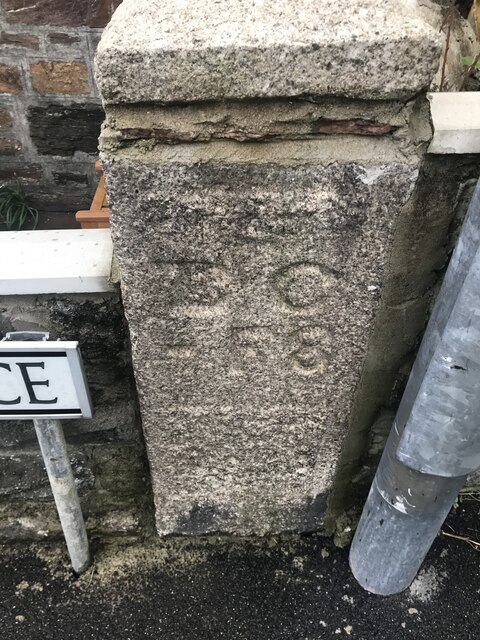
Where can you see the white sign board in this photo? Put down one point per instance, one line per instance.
(42, 380)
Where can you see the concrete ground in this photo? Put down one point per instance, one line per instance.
(288, 588)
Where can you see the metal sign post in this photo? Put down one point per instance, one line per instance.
(44, 381)
(435, 439)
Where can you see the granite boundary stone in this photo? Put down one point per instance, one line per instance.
(252, 271)
(250, 291)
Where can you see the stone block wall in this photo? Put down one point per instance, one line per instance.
(107, 452)
(50, 111)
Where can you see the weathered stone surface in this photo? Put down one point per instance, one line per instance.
(216, 49)
(63, 38)
(6, 119)
(10, 81)
(250, 276)
(252, 229)
(69, 78)
(23, 475)
(24, 172)
(424, 238)
(70, 179)
(9, 147)
(92, 13)
(264, 121)
(57, 205)
(23, 40)
(100, 12)
(59, 129)
(94, 37)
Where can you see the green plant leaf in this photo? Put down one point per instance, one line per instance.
(468, 61)
(15, 209)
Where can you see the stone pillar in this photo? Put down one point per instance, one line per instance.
(258, 155)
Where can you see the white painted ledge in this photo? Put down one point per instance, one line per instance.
(456, 122)
(59, 261)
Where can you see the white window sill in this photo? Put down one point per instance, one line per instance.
(58, 261)
(456, 122)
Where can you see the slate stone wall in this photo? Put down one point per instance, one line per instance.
(50, 111)
(106, 452)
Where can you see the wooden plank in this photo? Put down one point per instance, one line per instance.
(90, 220)
(99, 196)
(98, 216)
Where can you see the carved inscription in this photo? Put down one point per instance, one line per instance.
(304, 350)
(310, 347)
(252, 341)
(193, 283)
(255, 226)
(301, 286)
(304, 285)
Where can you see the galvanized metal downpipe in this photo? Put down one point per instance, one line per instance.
(435, 440)
(55, 456)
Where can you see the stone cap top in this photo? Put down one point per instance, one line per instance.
(191, 50)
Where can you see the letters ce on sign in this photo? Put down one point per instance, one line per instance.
(42, 380)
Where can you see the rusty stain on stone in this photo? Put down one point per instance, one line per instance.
(242, 135)
(355, 126)
(167, 135)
